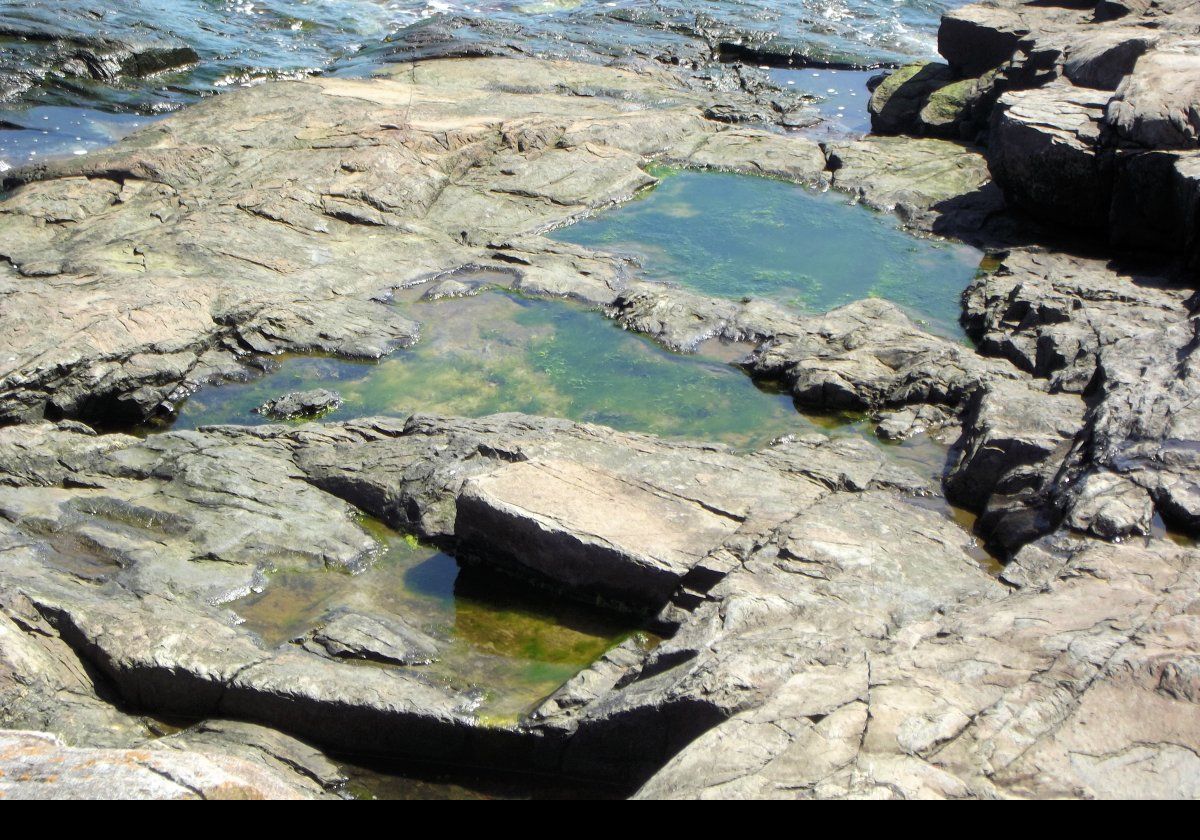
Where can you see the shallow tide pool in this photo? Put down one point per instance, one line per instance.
(497, 352)
(737, 236)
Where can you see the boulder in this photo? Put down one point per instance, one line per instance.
(1043, 152)
(297, 404)
(1158, 105)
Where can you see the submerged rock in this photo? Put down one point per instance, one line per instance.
(301, 404)
(60, 45)
(374, 638)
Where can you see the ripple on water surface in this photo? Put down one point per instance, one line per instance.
(735, 236)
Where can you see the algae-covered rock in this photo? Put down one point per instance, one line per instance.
(896, 104)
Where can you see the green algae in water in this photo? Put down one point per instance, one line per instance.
(505, 643)
(743, 236)
(496, 353)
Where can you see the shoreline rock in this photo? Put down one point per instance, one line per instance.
(830, 628)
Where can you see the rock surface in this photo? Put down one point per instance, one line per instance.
(831, 629)
(1080, 686)
(39, 766)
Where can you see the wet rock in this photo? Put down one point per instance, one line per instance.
(374, 638)
(57, 46)
(301, 404)
(37, 765)
(1015, 440)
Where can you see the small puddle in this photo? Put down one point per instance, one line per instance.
(505, 644)
(739, 236)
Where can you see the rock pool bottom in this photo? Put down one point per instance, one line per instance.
(496, 352)
(497, 639)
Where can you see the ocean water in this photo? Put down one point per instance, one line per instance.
(240, 41)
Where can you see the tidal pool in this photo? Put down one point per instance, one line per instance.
(505, 645)
(739, 236)
(496, 352)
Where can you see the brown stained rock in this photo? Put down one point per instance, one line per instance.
(37, 765)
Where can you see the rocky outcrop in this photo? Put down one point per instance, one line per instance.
(1051, 314)
(1122, 338)
(191, 274)
(828, 644)
(1080, 684)
(426, 160)
(1087, 113)
(830, 627)
(1043, 150)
